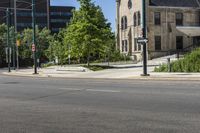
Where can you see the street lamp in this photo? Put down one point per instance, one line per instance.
(8, 38)
(34, 37)
(15, 21)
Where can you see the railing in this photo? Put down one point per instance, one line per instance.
(178, 52)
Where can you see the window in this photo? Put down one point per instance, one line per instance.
(139, 18)
(179, 19)
(157, 18)
(122, 45)
(126, 45)
(135, 20)
(157, 42)
(135, 44)
(179, 42)
(129, 4)
(124, 23)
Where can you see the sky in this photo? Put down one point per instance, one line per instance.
(108, 7)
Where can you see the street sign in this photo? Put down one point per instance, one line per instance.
(142, 40)
(33, 47)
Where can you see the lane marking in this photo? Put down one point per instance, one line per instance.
(71, 89)
(97, 90)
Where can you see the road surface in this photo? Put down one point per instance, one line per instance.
(50, 105)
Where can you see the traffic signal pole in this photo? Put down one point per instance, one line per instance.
(144, 29)
(34, 37)
(15, 20)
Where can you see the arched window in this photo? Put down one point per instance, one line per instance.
(139, 18)
(126, 23)
(135, 20)
(122, 23)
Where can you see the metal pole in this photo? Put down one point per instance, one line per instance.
(15, 15)
(8, 37)
(144, 29)
(34, 37)
(14, 48)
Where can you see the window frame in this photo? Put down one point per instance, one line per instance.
(179, 21)
(157, 20)
(179, 47)
(158, 42)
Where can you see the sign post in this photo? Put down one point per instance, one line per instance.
(34, 37)
(144, 40)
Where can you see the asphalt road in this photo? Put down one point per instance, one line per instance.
(48, 105)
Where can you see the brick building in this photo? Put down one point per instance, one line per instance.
(172, 26)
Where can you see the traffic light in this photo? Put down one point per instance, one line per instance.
(18, 43)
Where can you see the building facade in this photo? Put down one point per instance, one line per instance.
(59, 17)
(172, 26)
(52, 17)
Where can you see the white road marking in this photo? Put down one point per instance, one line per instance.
(71, 89)
(97, 90)
(92, 90)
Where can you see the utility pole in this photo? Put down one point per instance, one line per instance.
(15, 19)
(8, 37)
(144, 29)
(34, 38)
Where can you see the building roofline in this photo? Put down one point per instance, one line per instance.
(63, 6)
(172, 7)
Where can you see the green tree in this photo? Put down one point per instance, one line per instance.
(43, 39)
(2, 43)
(89, 33)
(57, 49)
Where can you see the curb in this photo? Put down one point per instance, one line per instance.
(167, 78)
(155, 78)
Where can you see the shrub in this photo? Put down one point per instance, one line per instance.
(190, 63)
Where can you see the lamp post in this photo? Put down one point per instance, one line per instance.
(144, 29)
(8, 38)
(34, 37)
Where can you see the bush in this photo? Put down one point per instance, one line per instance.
(47, 64)
(161, 68)
(190, 63)
(117, 56)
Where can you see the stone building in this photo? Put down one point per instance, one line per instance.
(172, 26)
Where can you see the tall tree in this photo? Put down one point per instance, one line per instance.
(89, 33)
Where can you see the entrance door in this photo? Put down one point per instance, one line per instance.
(179, 42)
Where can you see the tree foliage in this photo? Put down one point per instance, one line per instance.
(2, 43)
(43, 38)
(89, 33)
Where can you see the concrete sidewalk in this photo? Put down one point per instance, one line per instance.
(129, 72)
(120, 71)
